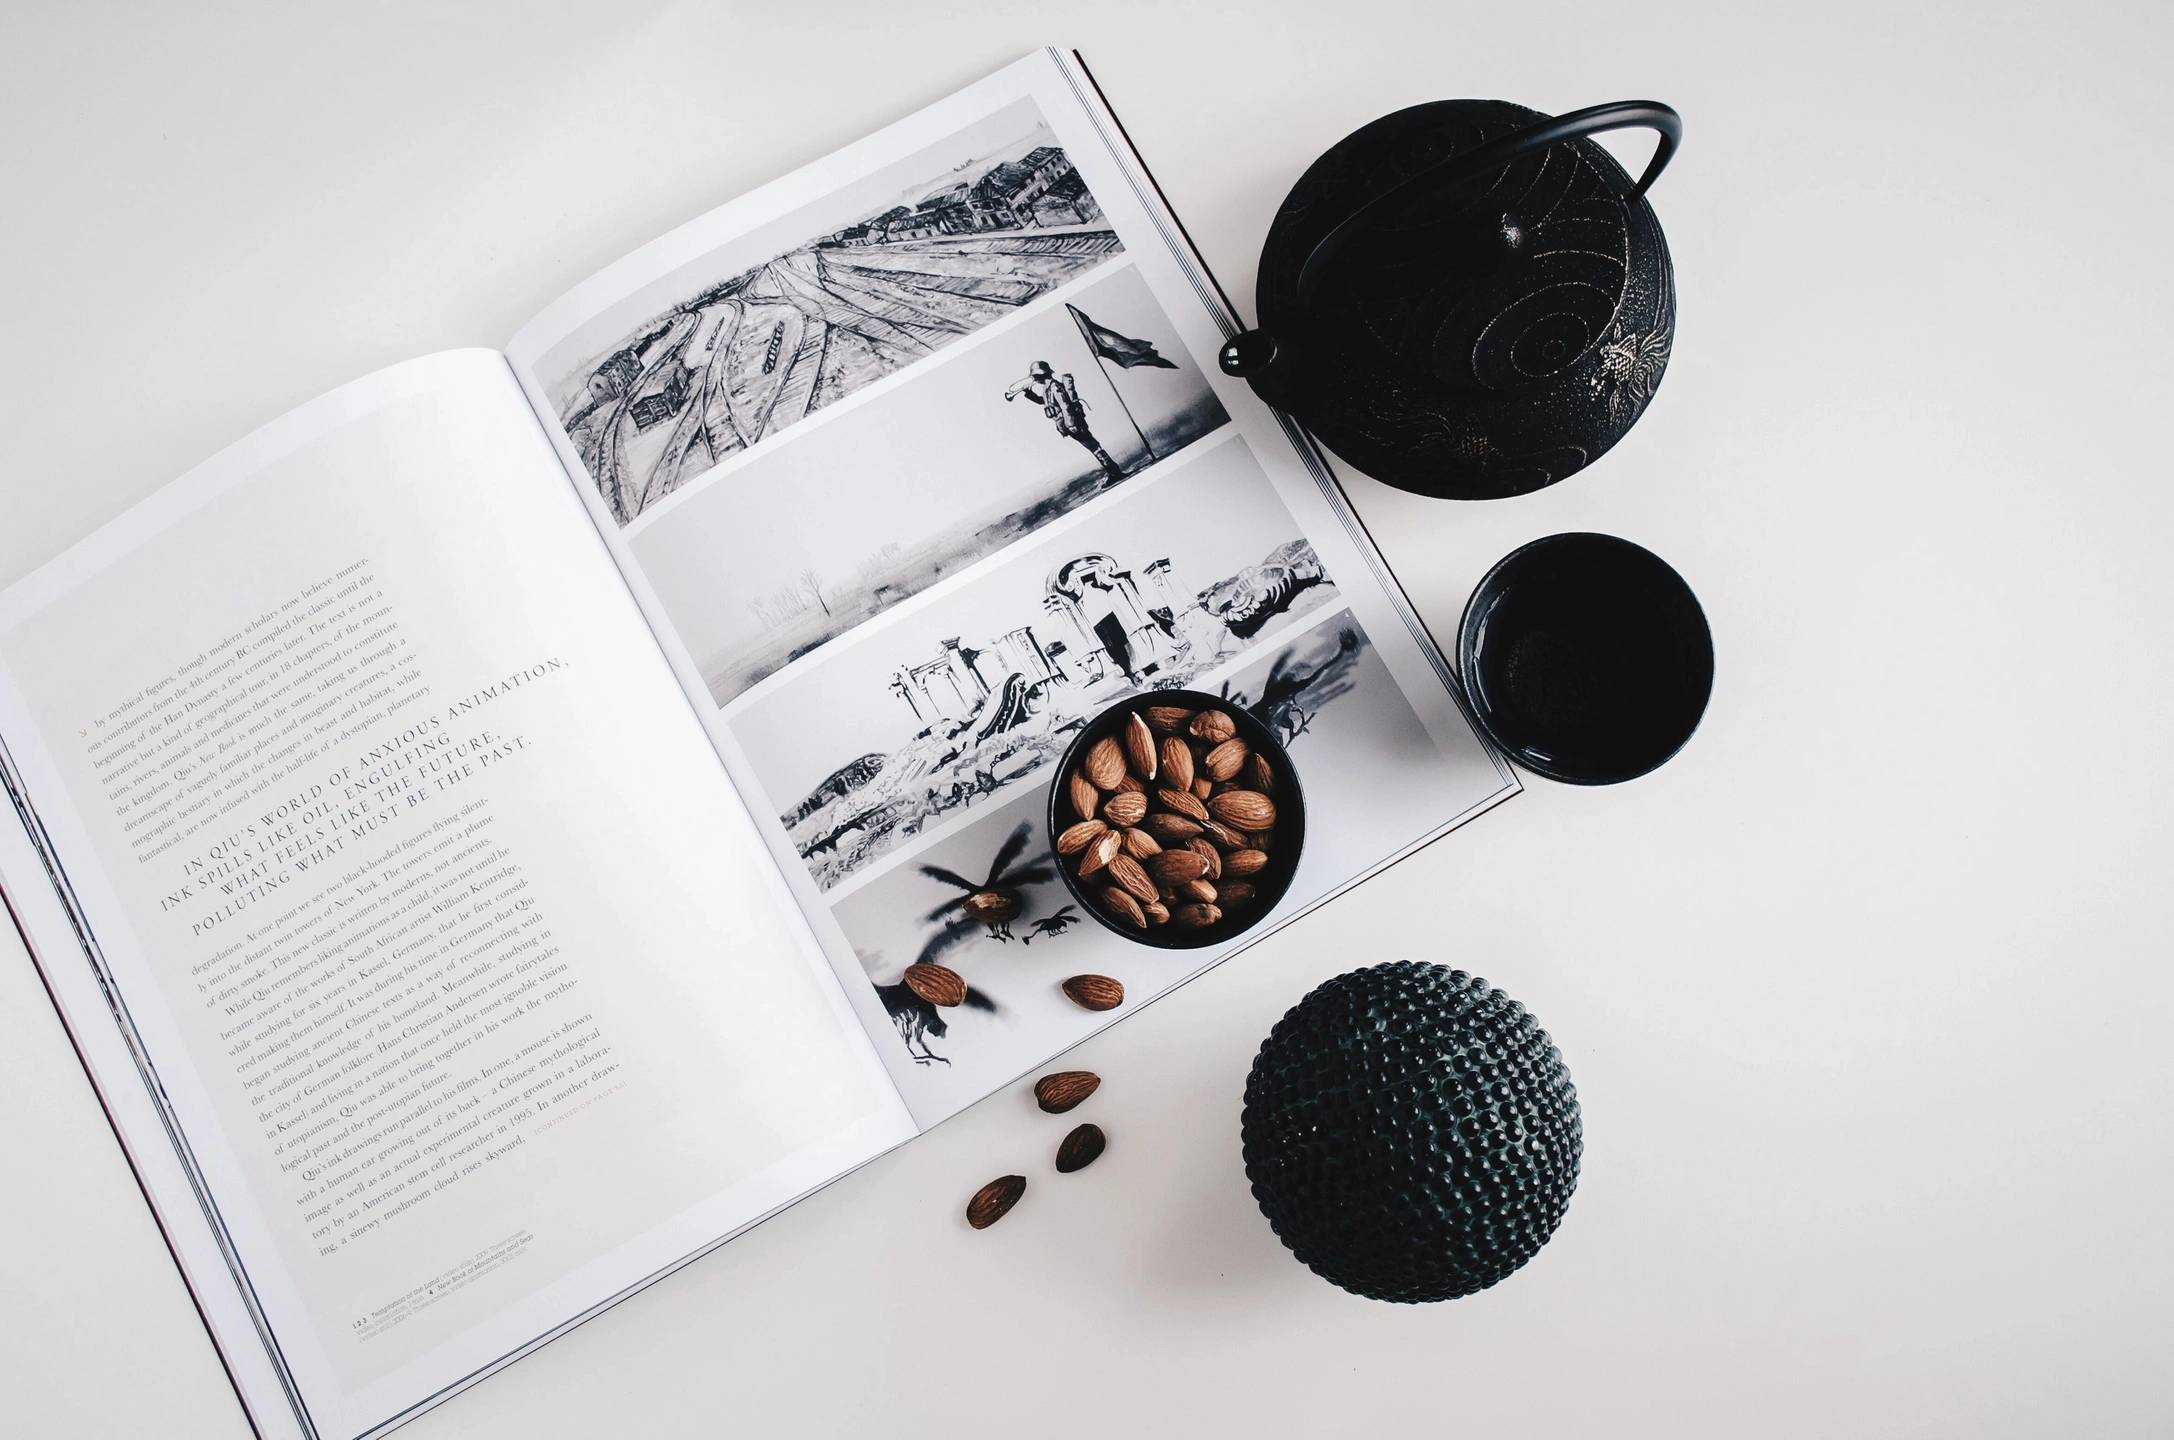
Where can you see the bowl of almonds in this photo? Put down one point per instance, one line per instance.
(1177, 819)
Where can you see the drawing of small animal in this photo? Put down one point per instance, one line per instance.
(1065, 918)
(917, 1020)
(993, 901)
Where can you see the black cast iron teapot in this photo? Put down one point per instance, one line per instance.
(1468, 299)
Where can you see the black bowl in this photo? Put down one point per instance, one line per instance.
(1269, 884)
(1586, 658)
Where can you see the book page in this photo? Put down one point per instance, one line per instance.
(917, 460)
(469, 991)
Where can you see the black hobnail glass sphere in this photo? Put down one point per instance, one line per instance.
(1411, 1132)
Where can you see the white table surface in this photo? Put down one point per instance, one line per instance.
(1867, 995)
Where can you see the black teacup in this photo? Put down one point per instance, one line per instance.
(1585, 658)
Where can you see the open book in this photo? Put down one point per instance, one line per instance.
(474, 828)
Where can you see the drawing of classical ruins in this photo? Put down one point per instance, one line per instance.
(1109, 623)
(991, 711)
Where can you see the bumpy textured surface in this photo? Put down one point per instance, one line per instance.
(1411, 1132)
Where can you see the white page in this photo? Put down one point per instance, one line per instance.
(443, 940)
(811, 434)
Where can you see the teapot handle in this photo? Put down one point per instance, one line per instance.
(1490, 156)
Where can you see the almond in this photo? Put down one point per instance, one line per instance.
(1083, 795)
(1213, 726)
(1245, 862)
(1197, 916)
(1226, 760)
(1126, 871)
(1175, 867)
(1262, 774)
(1139, 844)
(1095, 992)
(1122, 904)
(1209, 856)
(1129, 784)
(1237, 892)
(1098, 852)
(1081, 1148)
(1105, 764)
(1244, 809)
(1203, 787)
(1223, 836)
(1075, 838)
(1065, 1090)
(1140, 747)
(993, 1201)
(1170, 829)
(1177, 764)
(1157, 913)
(1199, 890)
(1184, 803)
(937, 984)
(1167, 718)
(1125, 809)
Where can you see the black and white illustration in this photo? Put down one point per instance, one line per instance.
(887, 497)
(1358, 748)
(741, 346)
(940, 711)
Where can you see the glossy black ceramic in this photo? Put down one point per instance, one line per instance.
(1586, 658)
(1269, 884)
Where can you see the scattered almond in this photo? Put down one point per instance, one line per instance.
(1081, 1148)
(937, 984)
(1064, 1090)
(1095, 992)
(993, 1201)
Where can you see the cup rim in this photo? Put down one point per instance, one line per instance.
(1467, 655)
